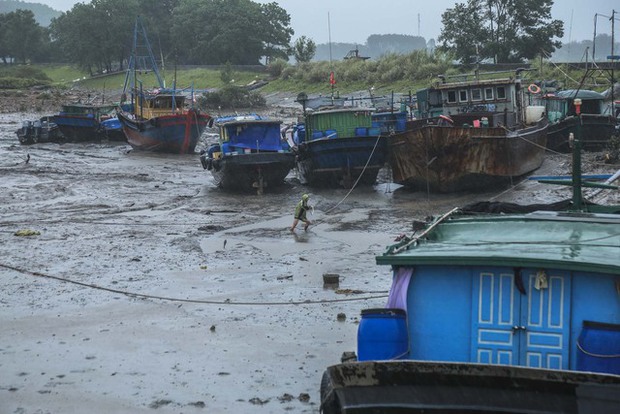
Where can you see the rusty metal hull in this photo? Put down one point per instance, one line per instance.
(442, 387)
(449, 159)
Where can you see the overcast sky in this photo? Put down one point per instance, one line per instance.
(352, 21)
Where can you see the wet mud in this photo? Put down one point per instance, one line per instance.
(148, 288)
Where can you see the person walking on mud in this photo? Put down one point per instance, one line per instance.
(300, 212)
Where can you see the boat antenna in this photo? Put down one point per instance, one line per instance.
(329, 38)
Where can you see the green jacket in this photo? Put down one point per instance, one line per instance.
(301, 209)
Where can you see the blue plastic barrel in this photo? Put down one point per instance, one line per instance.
(598, 348)
(382, 335)
(374, 131)
(317, 134)
(361, 132)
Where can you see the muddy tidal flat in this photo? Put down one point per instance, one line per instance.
(141, 287)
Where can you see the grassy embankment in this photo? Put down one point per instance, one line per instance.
(392, 73)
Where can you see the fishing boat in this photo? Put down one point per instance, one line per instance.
(597, 125)
(469, 134)
(514, 312)
(112, 129)
(81, 122)
(338, 147)
(159, 119)
(41, 130)
(250, 154)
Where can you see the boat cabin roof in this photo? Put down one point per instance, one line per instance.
(476, 83)
(560, 240)
(581, 94)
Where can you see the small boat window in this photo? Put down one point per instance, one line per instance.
(451, 96)
(463, 95)
(476, 94)
(501, 92)
(488, 94)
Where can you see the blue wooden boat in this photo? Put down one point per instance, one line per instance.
(159, 120)
(492, 313)
(251, 154)
(112, 129)
(339, 147)
(514, 313)
(469, 134)
(81, 122)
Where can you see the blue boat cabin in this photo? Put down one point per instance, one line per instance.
(538, 290)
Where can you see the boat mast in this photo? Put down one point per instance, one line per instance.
(141, 58)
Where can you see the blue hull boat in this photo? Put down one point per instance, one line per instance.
(250, 154)
(339, 148)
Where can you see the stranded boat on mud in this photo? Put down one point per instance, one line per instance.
(470, 134)
(338, 147)
(80, 122)
(596, 126)
(493, 313)
(250, 154)
(516, 312)
(41, 130)
(158, 120)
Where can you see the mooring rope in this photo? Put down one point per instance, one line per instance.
(200, 301)
(316, 222)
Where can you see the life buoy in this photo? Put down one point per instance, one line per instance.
(533, 88)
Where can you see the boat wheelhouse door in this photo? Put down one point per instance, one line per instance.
(521, 317)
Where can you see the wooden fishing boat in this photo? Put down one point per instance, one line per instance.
(512, 312)
(339, 147)
(41, 130)
(159, 119)
(469, 135)
(161, 123)
(250, 154)
(596, 125)
(80, 122)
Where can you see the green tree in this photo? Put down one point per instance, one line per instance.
(76, 32)
(503, 30)
(160, 35)
(21, 36)
(277, 32)
(304, 49)
(218, 31)
(96, 36)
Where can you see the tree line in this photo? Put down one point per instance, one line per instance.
(97, 36)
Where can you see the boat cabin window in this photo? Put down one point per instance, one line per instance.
(476, 94)
(463, 95)
(488, 94)
(451, 96)
(501, 92)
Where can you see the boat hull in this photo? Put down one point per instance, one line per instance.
(595, 132)
(341, 162)
(246, 172)
(422, 387)
(78, 128)
(39, 131)
(176, 133)
(449, 159)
